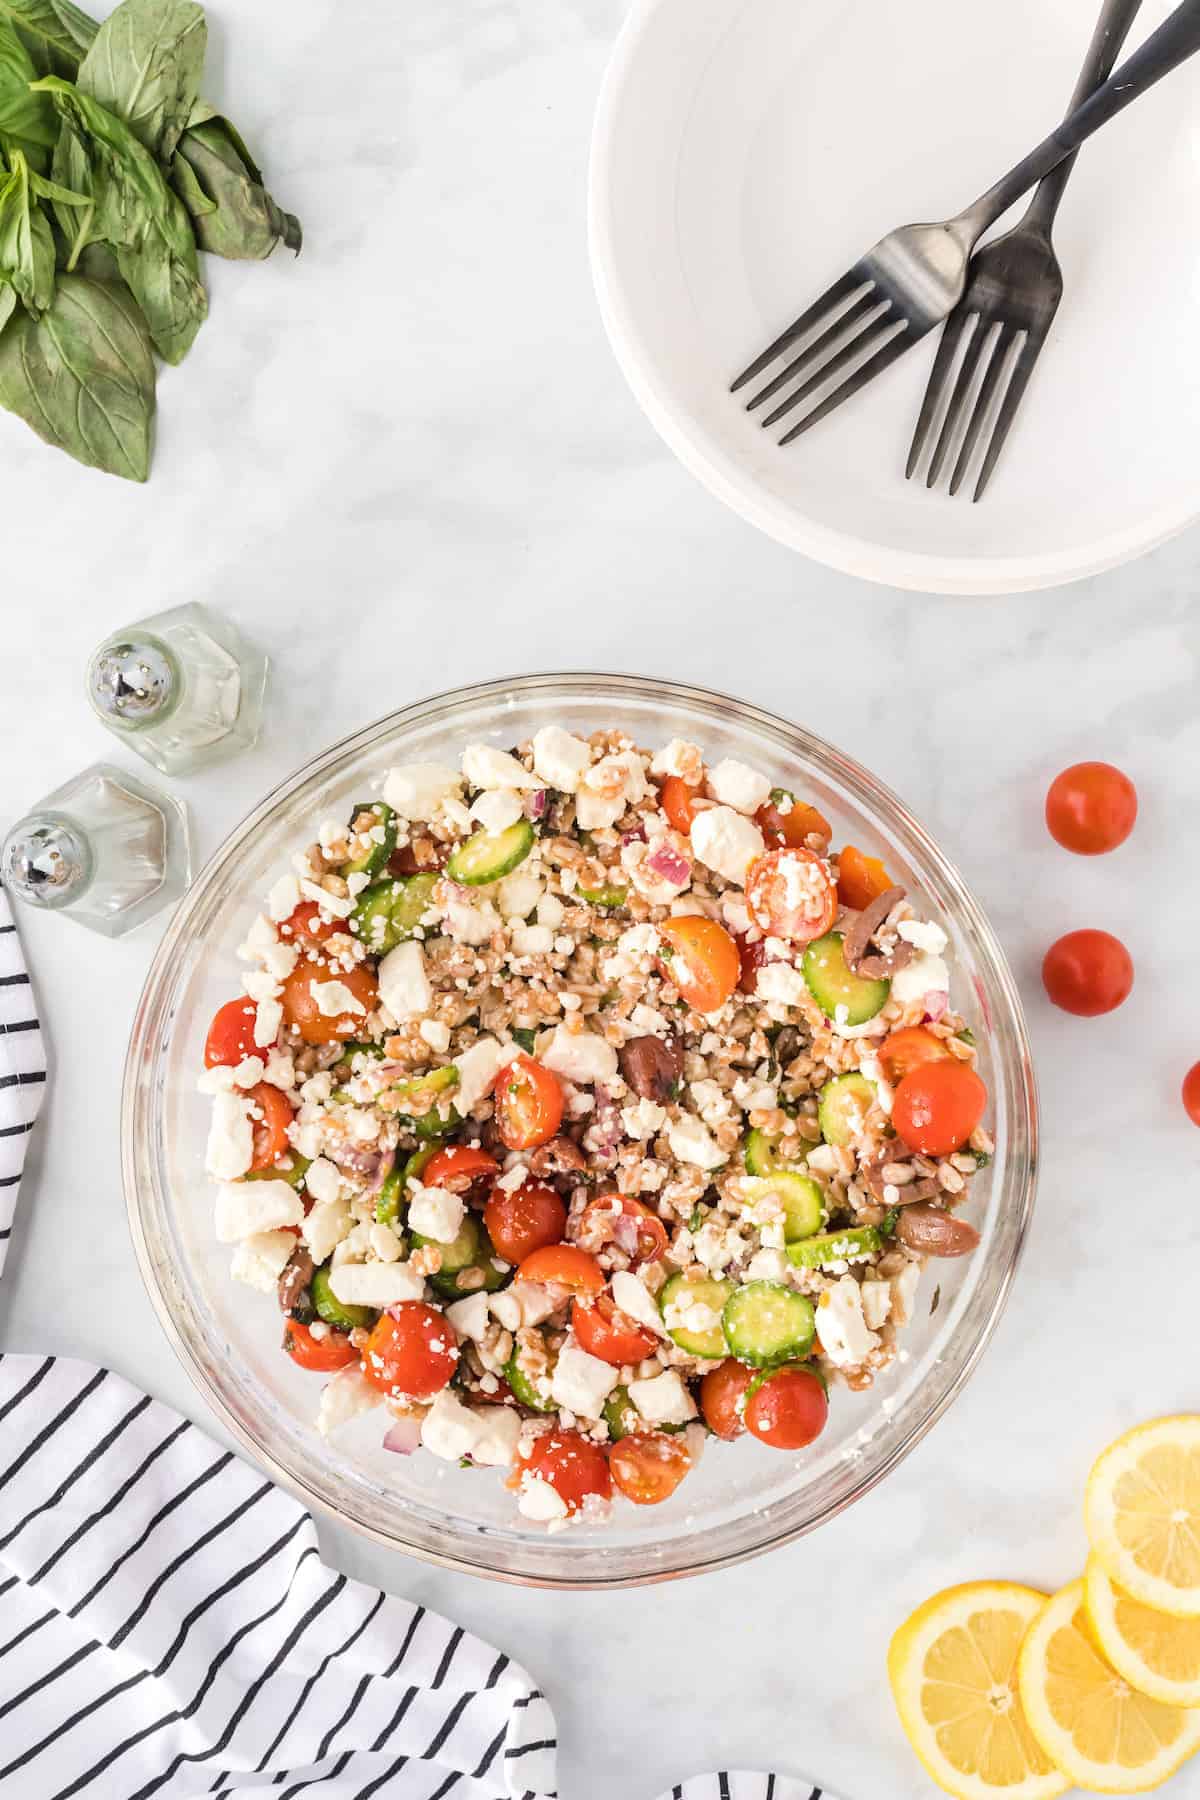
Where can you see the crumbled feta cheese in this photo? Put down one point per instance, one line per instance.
(260, 1260)
(376, 1284)
(334, 999)
(663, 1399)
(685, 1313)
(845, 1336)
(691, 1143)
(736, 784)
(753, 1094)
(230, 1139)
(497, 1431)
(436, 1035)
(261, 985)
(470, 924)
(679, 758)
(323, 1180)
(924, 934)
(385, 1245)
(539, 1501)
(634, 1299)
(925, 974)
(904, 1292)
(478, 1068)
(876, 1302)
(582, 1056)
(404, 986)
(470, 1317)
(608, 788)
(249, 1072)
(453, 1430)
(513, 1178)
(325, 1227)
(532, 940)
(767, 1265)
(434, 1212)
(581, 1381)
(417, 790)
(280, 1071)
(781, 985)
(267, 1020)
(283, 898)
(725, 841)
(344, 1397)
(246, 1208)
(560, 759)
(333, 904)
(523, 1305)
(520, 892)
(644, 1119)
(497, 808)
(485, 767)
(550, 911)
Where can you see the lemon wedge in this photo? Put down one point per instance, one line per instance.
(953, 1670)
(1157, 1654)
(1101, 1732)
(1142, 1512)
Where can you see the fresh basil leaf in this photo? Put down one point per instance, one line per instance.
(83, 376)
(145, 67)
(218, 181)
(8, 304)
(28, 121)
(27, 252)
(135, 211)
(56, 33)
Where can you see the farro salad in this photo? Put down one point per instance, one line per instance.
(583, 1103)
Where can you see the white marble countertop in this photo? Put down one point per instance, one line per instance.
(409, 461)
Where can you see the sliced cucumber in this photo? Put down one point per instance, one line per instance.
(331, 1309)
(431, 1121)
(431, 1127)
(354, 1047)
(623, 1418)
(462, 1252)
(453, 1285)
(390, 1198)
(844, 1104)
(802, 1199)
(293, 1176)
(760, 1153)
(414, 1167)
(489, 856)
(765, 1322)
(841, 995)
(416, 1087)
(711, 1293)
(390, 911)
(530, 1393)
(526, 1036)
(413, 901)
(610, 896)
(375, 854)
(841, 1246)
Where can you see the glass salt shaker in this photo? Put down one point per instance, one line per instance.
(105, 849)
(183, 688)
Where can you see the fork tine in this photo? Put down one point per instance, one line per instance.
(939, 376)
(882, 359)
(842, 289)
(958, 398)
(867, 339)
(1001, 350)
(870, 302)
(1030, 351)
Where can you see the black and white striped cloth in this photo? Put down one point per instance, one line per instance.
(167, 1626)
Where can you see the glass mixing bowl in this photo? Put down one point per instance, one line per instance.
(743, 1498)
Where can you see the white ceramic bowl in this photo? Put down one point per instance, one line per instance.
(746, 151)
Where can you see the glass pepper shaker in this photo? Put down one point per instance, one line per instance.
(183, 688)
(105, 849)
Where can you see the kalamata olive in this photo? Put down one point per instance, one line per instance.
(652, 1066)
(293, 1282)
(857, 938)
(933, 1232)
(559, 1157)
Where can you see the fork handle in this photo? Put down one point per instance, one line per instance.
(1177, 38)
(1112, 28)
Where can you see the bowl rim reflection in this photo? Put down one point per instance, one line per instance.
(150, 1044)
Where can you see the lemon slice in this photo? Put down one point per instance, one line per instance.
(1098, 1729)
(1156, 1654)
(953, 1669)
(1143, 1514)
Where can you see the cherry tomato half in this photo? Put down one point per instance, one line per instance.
(791, 895)
(678, 801)
(323, 1354)
(306, 925)
(620, 1219)
(231, 1035)
(1091, 808)
(788, 1409)
(529, 1104)
(702, 960)
(605, 1331)
(270, 1131)
(648, 1467)
(563, 1265)
(751, 957)
(1191, 1093)
(523, 1220)
(861, 878)
(301, 1011)
(412, 1350)
(571, 1464)
(456, 1167)
(905, 1050)
(1088, 973)
(937, 1106)
(722, 1392)
(792, 829)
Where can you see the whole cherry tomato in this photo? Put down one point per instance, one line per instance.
(722, 1393)
(334, 1351)
(231, 1035)
(524, 1219)
(605, 1331)
(1088, 973)
(456, 1167)
(306, 926)
(678, 801)
(271, 1128)
(793, 829)
(648, 1467)
(300, 1008)
(861, 878)
(569, 1463)
(701, 959)
(620, 1219)
(412, 1350)
(937, 1106)
(563, 1265)
(788, 1408)
(1191, 1093)
(904, 1050)
(791, 895)
(1091, 808)
(529, 1104)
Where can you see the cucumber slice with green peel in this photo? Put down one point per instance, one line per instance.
(462, 1253)
(413, 901)
(610, 896)
(529, 1393)
(526, 1036)
(802, 1200)
(841, 1246)
(352, 1048)
(415, 1087)
(765, 1374)
(390, 1198)
(431, 1126)
(841, 995)
(333, 1310)
(490, 855)
(414, 1167)
(696, 1338)
(455, 1284)
(623, 1418)
(389, 912)
(374, 856)
(293, 1176)
(765, 1322)
(843, 1106)
(434, 1120)
(760, 1153)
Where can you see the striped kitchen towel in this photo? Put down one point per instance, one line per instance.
(22, 1069)
(742, 1784)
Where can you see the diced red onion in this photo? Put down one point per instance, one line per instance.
(936, 1003)
(636, 836)
(404, 1437)
(536, 804)
(669, 863)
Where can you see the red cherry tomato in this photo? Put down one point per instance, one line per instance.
(905, 1050)
(648, 1467)
(1088, 973)
(324, 1354)
(861, 878)
(619, 1219)
(231, 1035)
(529, 1104)
(792, 829)
(788, 1409)
(412, 1350)
(301, 1011)
(1091, 808)
(563, 1265)
(937, 1107)
(523, 1220)
(306, 926)
(605, 1331)
(271, 1130)
(701, 959)
(678, 801)
(457, 1167)
(571, 1464)
(1191, 1093)
(722, 1392)
(791, 895)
